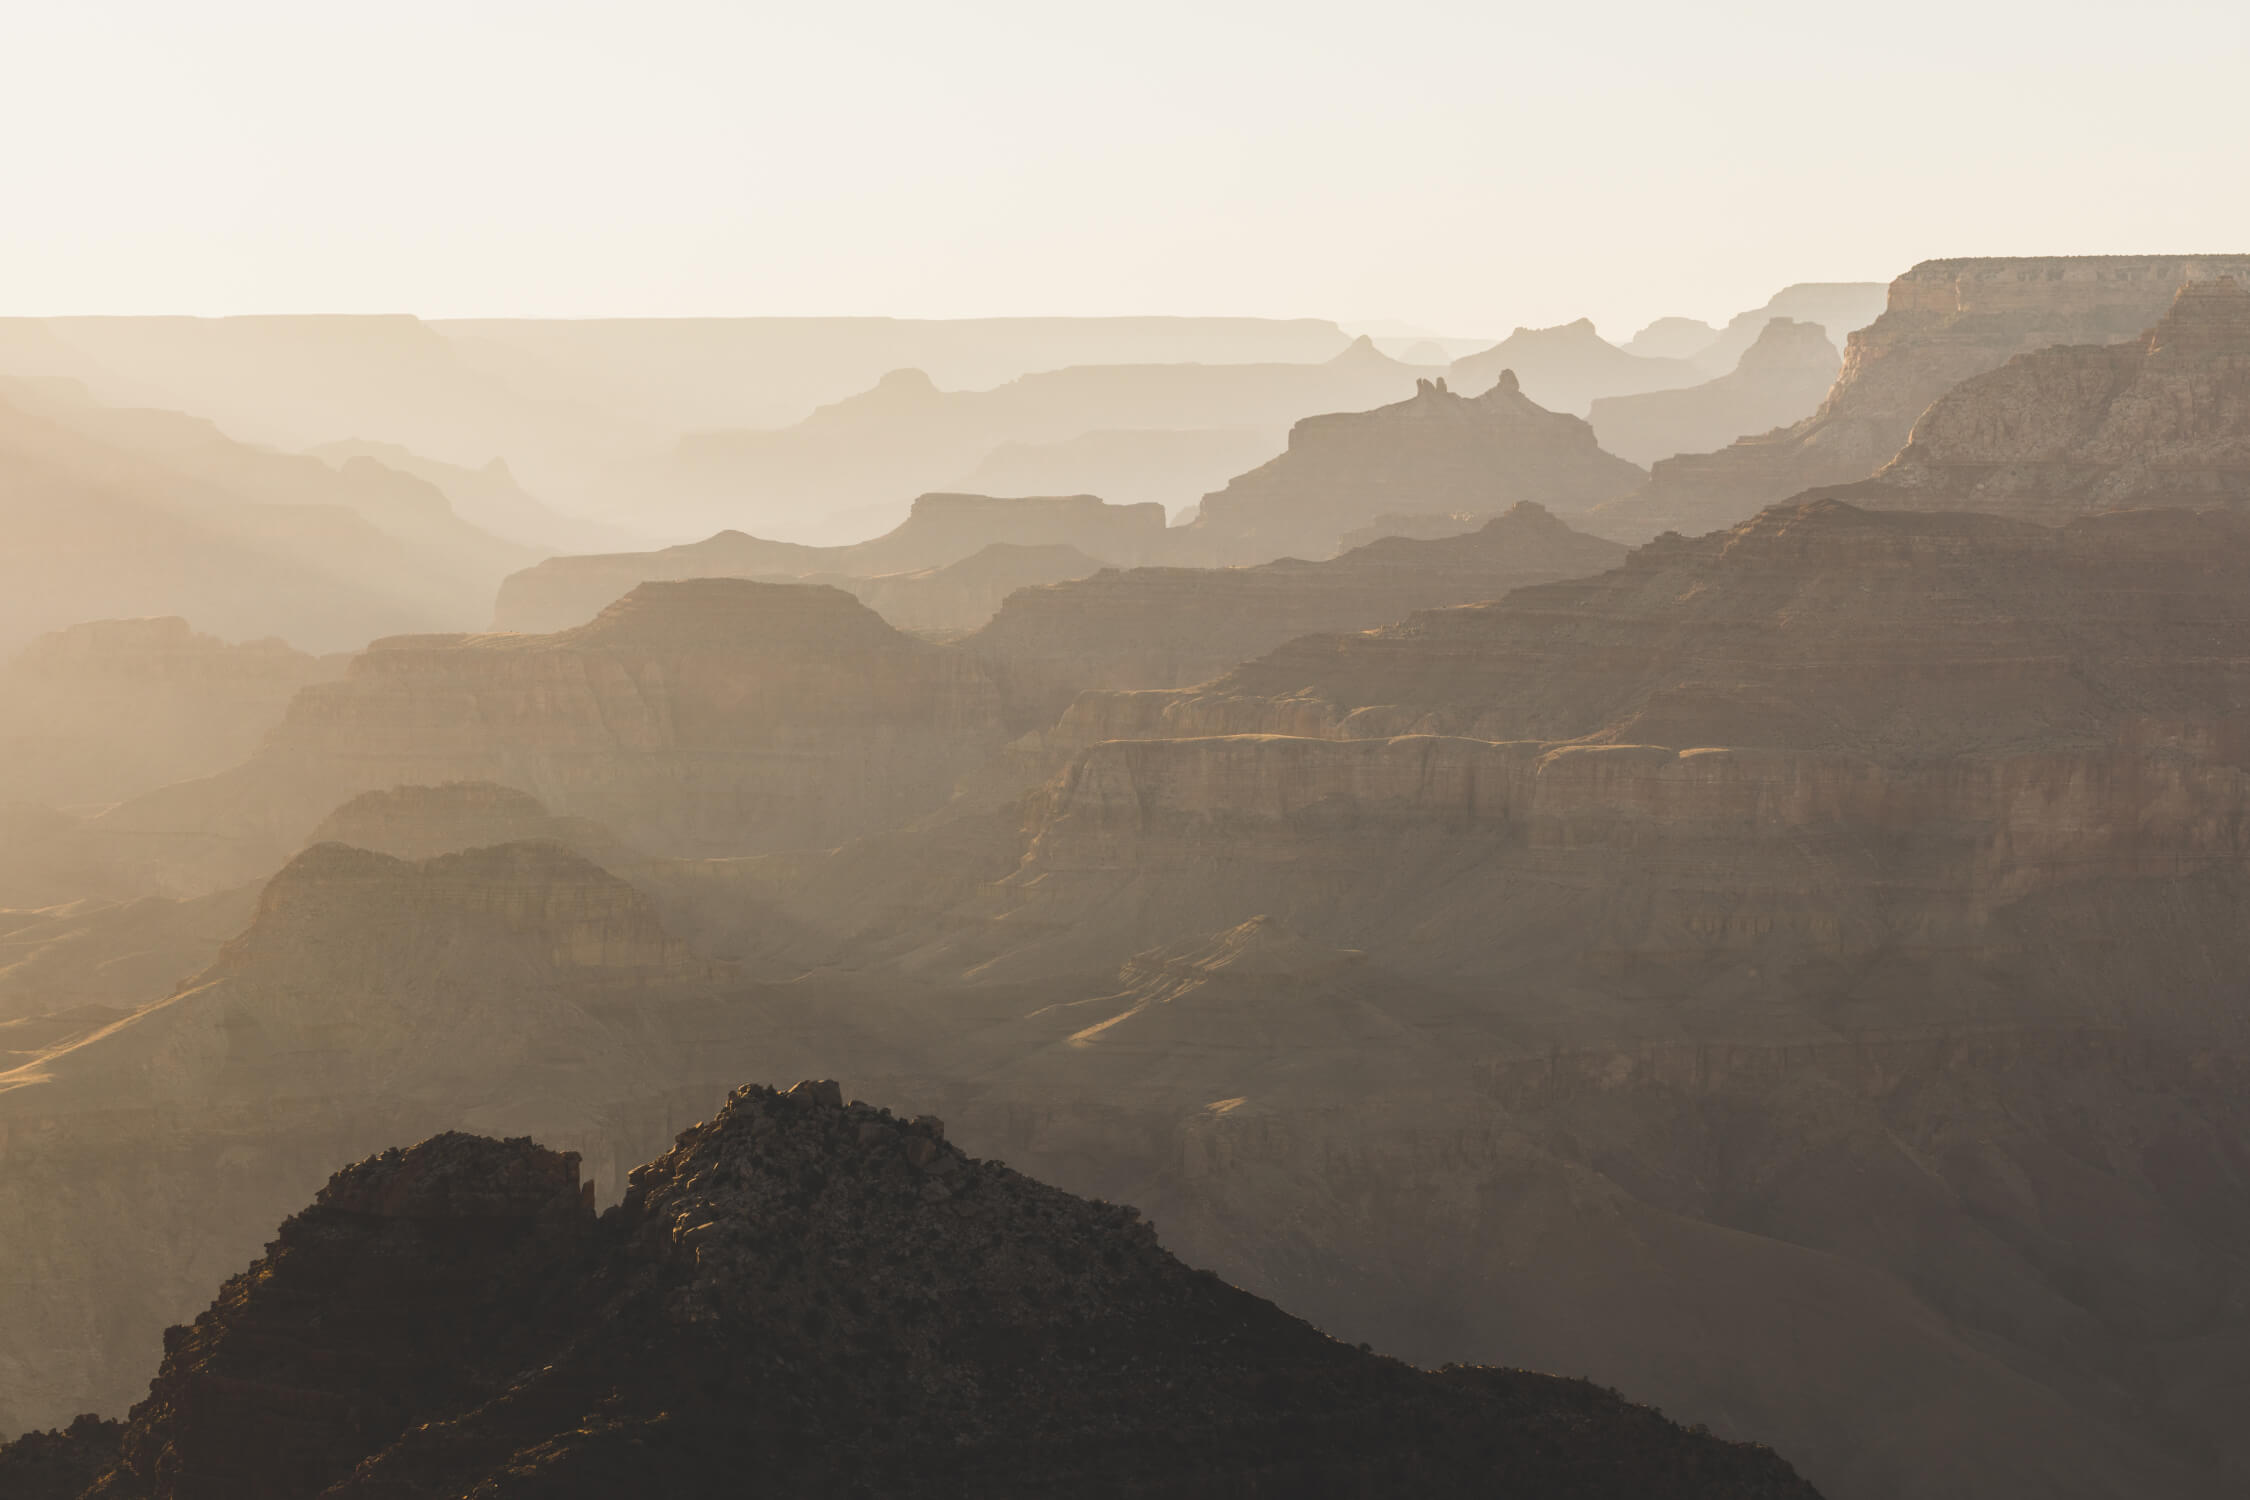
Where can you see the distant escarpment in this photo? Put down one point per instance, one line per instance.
(1854, 729)
(837, 1301)
(512, 988)
(1780, 379)
(1437, 452)
(2070, 430)
(105, 710)
(942, 530)
(1172, 627)
(712, 716)
(1569, 367)
(1947, 320)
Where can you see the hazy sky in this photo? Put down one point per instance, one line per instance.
(1468, 166)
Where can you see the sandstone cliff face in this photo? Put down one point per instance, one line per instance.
(1171, 627)
(1780, 379)
(2162, 420)
(1947, 320)
(713, 716)
(514, 988)
(1436, 452)
(1781, 703)
(943, 529)
(112, 708)
(833, 1299)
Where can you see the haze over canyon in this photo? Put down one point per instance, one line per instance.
(1238, 755)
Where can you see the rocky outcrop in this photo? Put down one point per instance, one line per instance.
(1947, 320)
(1437, 452)
(1569, 367)
(2075, 429)
(112, 708)
(60, 1464)
(1172, 627)
(837, 1300)
(943, 530)
(1164, 466)
(514, 988)
(712, 716)
(1780, 379)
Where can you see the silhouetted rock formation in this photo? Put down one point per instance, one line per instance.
(839, 1302)
(2066, 431)
(1172, 627)
(1437, 452)
(1946, 321)
(1781, 378)
(943, 530)
(59, 1465)
(517, 988)
(1566, 368)
(111, 708)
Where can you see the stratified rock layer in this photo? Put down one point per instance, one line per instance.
(838, 1302)
(1437, 452)
(2066, 431)
(1947, 320)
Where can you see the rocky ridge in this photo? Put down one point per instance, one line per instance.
(942, 530)
(839, 1300)
(1946, 320)
(1436, 452)
(1173, 627)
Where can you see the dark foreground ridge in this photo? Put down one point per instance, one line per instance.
(806, 1297)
